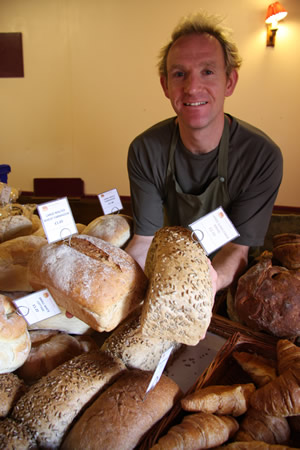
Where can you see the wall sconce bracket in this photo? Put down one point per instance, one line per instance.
(271, 35)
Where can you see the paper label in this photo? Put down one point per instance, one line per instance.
(57, 219)
(159, 369)
(36, 306)
(5, 194)
(110, 201)
(214, 230)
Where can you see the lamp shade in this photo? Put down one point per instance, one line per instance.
(275, 12)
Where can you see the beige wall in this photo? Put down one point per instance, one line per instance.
(90, 85)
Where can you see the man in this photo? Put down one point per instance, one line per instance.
(184, 167)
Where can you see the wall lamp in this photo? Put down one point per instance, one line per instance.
(275, 13)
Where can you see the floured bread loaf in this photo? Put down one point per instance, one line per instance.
(15, 342)
(179, 300)
(14, 258)
(136, 350)
(113, 228)
(92, 279)
(14, 226)
(11, 389)
(52, 403)
(122, 414)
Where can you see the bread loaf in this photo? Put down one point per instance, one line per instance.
(268, 299)
(122, 414)
(179, 300)
(14, 259)
(61, 322)
(92, 279)
(286, 249)
(136, 350)
(15, 342)
(47, 352)
(113, 228)
(52, 403)
(14, 226)
(15, 436)
(11, 389)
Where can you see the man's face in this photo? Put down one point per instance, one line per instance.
(197, 83)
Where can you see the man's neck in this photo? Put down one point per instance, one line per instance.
(201, 140)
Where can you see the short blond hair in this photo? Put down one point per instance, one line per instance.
(203, 23)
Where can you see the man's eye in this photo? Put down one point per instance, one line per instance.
(208, 72)
(178, 74)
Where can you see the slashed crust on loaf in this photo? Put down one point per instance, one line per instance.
(92, 279)
(122, 414)
(50, 405)
(179, 299)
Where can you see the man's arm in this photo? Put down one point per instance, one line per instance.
(229, 263)
(138, 248)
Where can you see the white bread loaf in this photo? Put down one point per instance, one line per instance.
(52, 403)
(121, 415)
(49, 350)
(15, 342)
(136, 350)
(14, 226)
(92, 279)
(14, 257)
(61, 322)
(113, 228)
(11, 389)
(179, 300)
(15, 436)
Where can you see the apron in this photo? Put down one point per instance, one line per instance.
(183, 209)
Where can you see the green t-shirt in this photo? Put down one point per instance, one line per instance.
(253, 178)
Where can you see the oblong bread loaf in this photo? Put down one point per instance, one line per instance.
(16, 436)
(179, 300)
(113, 228)
(92, 279)
(52, 403)
(122, 414)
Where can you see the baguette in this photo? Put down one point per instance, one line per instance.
(92, 279)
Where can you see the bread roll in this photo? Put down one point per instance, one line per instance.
(288, 355)
(52, 403)
(254, 445)
(15, 436)
(14, 337)
(179, 300)
(47, 352)
(14, 259)
(92, 279)
(135, 350)
(122, 414)
(113, 228)
(11, 389)
(260, 369)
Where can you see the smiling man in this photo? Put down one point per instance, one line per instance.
(188, 165)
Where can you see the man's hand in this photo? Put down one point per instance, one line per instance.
(138, 248)
(229, 263)
(214, 278)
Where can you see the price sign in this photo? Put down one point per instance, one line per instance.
(110, 201)
(57, 219)
(5, 194)
(159, 369)
(36, 306)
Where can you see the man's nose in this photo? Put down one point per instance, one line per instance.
(192, 84)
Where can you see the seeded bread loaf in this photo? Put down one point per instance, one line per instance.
(15, 436)
(136, 350)
(11, 389)
(92, 279)
(50, 405)
(179, 300)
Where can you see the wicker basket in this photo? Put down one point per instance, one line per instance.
(223, 370)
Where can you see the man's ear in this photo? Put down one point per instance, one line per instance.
(164, 85)
(231, 82)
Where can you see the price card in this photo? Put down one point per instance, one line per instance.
(110, 201)
(36, 306)
(5, 194)
(214, 230)
(57, 219)
(159, 369)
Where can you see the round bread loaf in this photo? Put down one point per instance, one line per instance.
(179, 300)
(15, 341)
(11, 389)
(92, 279)
(123, 413)
(286, 250)
(113, 228)
(52, 403)
(15, 436)
(136, 350)
(267, 299)
(49, 350)
(14, 259)
(14, 226)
